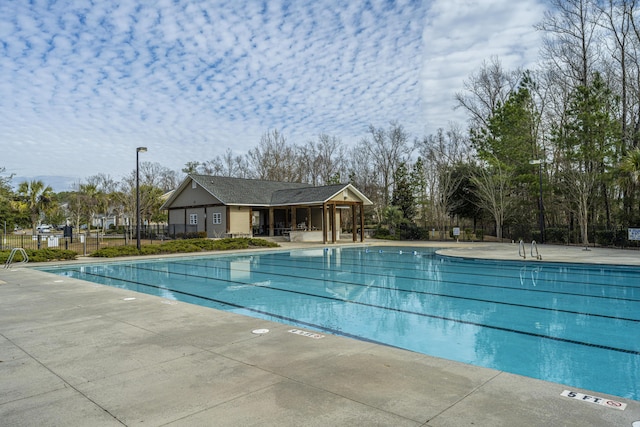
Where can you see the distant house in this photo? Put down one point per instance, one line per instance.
(223, 206)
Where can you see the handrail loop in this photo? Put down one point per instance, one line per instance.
(14, 251)
(521, 250)
(534, 246)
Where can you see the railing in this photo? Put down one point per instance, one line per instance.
(14, 251)
(534, 246)
(522, 251)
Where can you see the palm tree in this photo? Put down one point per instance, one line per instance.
(631, 164)
(37, 198)
(630, 168)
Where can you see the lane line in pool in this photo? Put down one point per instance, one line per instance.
(253, 310)
(481, 285)
(471, 263)
(466, 322)
(466, 298)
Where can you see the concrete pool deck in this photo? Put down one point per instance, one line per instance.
(74, 353)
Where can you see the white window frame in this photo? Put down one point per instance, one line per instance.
(217, 218)
(193, 219)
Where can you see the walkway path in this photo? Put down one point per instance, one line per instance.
(74, 353)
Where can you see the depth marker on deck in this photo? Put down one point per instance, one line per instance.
(306, 334)
(594, 399)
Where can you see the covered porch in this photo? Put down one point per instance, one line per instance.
(310, 223)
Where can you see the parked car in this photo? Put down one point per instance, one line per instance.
(44, 228)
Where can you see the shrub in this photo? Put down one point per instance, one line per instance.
(413, 232)
(41, 255)
(605, 237)
(115, 251)
(383, 233)
(556, 235)
(194, 235)
(184, 246)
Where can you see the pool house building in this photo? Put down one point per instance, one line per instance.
(231, 207)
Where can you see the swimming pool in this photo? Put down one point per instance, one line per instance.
(573, 324)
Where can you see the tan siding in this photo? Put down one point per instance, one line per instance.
(194, 197)
(346, 196)
(239, 219)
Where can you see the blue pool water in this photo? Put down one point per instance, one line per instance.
(573, 324)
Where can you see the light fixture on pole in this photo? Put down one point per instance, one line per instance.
(539, 162)
(138, 151)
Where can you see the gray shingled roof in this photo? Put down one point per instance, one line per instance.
(255, 192)
(297, 196)
(240, 191)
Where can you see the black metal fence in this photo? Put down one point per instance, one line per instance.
(85, 242)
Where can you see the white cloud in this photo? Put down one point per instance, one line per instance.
(460, 34)
(84, 84)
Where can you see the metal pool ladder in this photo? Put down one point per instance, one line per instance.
(522, 251)
(534, 246)
(14, 251)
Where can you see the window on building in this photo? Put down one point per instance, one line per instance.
(193, 219)
(217, 218)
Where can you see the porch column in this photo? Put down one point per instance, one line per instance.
(270, 222)
(333, 223)
(309, 218)
(294, 221)
(361, 221)
(324, 221)
(354, 226)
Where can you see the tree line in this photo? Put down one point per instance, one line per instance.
(550, 153)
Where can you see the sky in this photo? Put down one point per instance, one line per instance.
(84, 82)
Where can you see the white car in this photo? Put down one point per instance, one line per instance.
(44, 228)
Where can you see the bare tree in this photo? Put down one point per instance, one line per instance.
(364, 176)
(440, 153)
(323, 160)
(572, 38)
(226, 165)
(274, 159)
(579, 186)
(494, 193)
(485, 91)
(387, 149)
(156, 175)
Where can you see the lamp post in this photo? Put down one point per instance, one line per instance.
(539, 162)
(138, 151)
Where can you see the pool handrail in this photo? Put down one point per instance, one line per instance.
(537, 255)
(14, 251)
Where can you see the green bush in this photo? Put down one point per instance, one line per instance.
(413, 232)
(41, 255)
(384, 233)
(192, 235)
(556, 235)
(184, 246)
(115, 251)
(605, 237)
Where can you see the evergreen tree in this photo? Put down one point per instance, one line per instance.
(403, 192)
